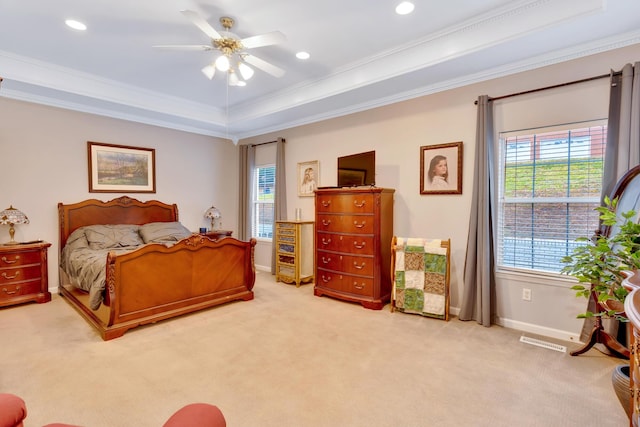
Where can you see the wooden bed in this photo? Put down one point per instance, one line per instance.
(155, 282)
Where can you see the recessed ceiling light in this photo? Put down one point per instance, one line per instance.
(404, 8)
(303, 55)
(76, 25)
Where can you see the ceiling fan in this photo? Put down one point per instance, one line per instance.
(232, 50)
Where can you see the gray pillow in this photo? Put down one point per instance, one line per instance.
(163, 232)
(113, 236)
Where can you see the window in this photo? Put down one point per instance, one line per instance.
(263, 196)
(550, 184)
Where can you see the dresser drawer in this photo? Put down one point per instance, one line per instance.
(16, 289)
(356, 285)
(345, 263)
(351, 244)
(347, 203)
(362, 224)
(17, 259)
(19, 274)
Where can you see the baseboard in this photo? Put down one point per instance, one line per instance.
(263, 268)
(539, 330)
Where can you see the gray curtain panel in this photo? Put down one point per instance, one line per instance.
(621, 154)
(478, 299)
(280, 202)
(247, 163)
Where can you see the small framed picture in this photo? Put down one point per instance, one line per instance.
(121, 169)
(308, 178)
(441, 168)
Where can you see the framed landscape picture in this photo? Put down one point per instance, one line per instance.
(121, 169)
(441, 168)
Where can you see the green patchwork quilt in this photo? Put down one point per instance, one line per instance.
(421, 277)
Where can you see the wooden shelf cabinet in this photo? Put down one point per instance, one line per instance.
(354, 228)
(294, 252)
(24, 273)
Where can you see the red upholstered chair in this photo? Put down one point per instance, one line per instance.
(13, 410)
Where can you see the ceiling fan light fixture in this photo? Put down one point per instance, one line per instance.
(245, 71)
(209, 71)
(233, 78)
(222, 63)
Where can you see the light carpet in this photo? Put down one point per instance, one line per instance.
(289, 358)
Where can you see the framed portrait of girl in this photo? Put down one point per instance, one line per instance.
(441, 168)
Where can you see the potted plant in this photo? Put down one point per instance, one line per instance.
(600, 265)
(600, 268)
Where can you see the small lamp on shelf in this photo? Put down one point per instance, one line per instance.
(12, 216)
(214, 214)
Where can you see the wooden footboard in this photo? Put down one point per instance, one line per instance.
(158, 282)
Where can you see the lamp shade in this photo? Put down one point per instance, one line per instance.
(11, 216)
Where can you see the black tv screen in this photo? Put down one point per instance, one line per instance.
(357, 169)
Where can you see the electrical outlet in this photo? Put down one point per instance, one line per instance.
(526, 294)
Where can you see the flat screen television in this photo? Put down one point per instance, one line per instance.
(357, 169)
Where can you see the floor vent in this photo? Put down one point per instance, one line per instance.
(543, 344)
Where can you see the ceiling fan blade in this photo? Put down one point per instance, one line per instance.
(201, 23)
(266, 39)
(201, 47)
(264, 65)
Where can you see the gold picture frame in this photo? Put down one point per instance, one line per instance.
(308, 178)
(432, 159)
(121, 169)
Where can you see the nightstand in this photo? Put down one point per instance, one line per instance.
(217, 234)
(24, 273)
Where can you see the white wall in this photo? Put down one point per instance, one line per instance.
(43, 161)
(396, 132)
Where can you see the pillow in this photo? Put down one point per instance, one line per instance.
(77, 240)
(113, 236)
(162, 232)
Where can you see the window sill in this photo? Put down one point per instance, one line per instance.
(539, 277)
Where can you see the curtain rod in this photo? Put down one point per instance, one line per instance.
(552, 87)
(268, 142)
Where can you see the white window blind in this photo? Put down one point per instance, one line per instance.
(263, 198)
(550, 184)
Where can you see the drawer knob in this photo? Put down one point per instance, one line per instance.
(326, 241)
(326, 222)
(326, 260)
(358, 286)
(326, 203)
(359, 225)
(11, 292)
(11, 261)
(359, 246)
(359, 205)
(326, 279)
(6, 276)
(359, 267)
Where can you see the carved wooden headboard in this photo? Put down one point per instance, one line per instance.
(123, 210)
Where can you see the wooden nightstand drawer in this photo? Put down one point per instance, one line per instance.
(17, 259)
(19, 289)
(11, 275)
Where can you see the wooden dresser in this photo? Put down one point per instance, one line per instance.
(294, 251)
(23, 273)
(354, 228)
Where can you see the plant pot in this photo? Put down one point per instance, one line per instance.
(621, 385)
